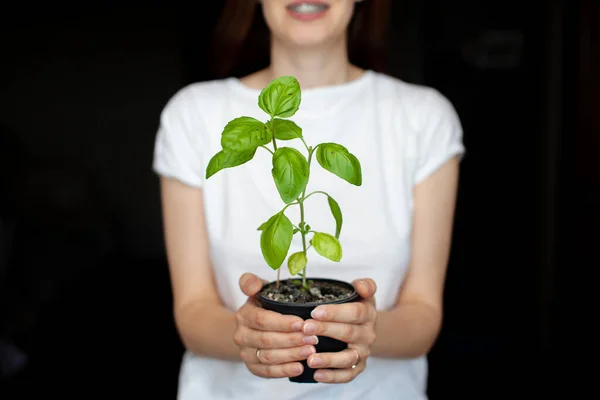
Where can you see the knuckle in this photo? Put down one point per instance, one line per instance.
(266, 357)
(270, 371)
(260, 320)
(371, 338)
(239, 318)
(289, 370)
(350, 375)
(328, 361)
(351, 358)
(373, 315)
(238, 338)
(325, 361)
(358, 311)
(347, 333)
(265, 340)
(295, 340)
(296, 354)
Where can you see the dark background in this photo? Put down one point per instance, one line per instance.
(84, 285)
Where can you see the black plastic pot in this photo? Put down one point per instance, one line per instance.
(303, 310)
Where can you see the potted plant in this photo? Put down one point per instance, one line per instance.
(240, 140)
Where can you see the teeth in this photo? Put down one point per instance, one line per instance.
(308, 8)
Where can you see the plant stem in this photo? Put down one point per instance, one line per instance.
(268, 149)
(316, 192)
(288, 205)
(303, 233)
(305, 145)
(273, 133)
(302, 222)
(278, 277)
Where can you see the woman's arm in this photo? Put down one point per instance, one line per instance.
(411, 328)
(205, 325)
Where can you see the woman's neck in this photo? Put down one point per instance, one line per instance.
(325, 66)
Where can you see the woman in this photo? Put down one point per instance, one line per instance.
(397, 226)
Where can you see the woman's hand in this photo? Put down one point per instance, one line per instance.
(352, 323)
(271, 344)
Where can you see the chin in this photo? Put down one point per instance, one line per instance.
(307, 38)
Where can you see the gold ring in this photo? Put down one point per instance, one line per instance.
(357, 358)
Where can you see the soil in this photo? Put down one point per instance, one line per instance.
(291, 291)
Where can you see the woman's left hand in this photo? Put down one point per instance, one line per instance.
(352, 323)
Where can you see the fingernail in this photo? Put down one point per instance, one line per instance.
(365, 285)
(315, 362)
(297, 325)
(318, 313)
(297, 369)
(310, 340)
(307, 351)
(245, 279)
(310, 328)
(319, 375)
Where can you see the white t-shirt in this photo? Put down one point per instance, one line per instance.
(400, 132)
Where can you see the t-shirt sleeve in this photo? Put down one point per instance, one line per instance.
(441, 137)
(178, 143)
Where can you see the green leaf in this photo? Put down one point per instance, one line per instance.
(327, 246)
(275, 239)
(223, 160)
(297, 262)
(244, 134)
(284, 129)
(337, 214)
(338, 160)
(290, 172)
(281, 97)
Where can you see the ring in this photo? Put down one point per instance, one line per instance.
(258, 356)
(357, 358)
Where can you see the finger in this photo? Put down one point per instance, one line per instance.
(272, 340)
(276, 371)
(351, 313)
(343, 359)
(258, 318)
(251, 284)
(347, 333)
(276, 356)
(338, 375)
(365, 288)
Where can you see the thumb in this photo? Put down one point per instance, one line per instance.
(251, 284)
(365, 288)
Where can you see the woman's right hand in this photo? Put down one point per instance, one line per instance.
(271, 344)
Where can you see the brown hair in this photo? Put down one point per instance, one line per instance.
(241, 42)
